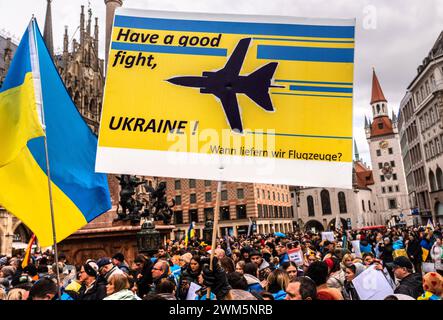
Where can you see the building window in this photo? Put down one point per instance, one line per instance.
(265, 209)
(241, 211)
(392, 204)
(393, 164)
(178, 217)
(383, 190)
(193, 215)
(240, 194)
(363, 205)
(275, 212)
(208, 196)
(191, 183)
(258, 193)
(177, 184)
(394, 176)
(278, 196)
(390, 189)
(224, 195)
(390, 151)
(280, 212)
(292, 212)
(382, 178)
(178, 200)
(378, 152)
(224, 213)
(325, 202)
(273, 196)
(342, 202)
(260, 210)
(193, 198)
(431, 177)
(397, 189)
(208, 183)
(369, 205)
(380, 165)
(439, 175)
(269, 195)
(311, 208)
(209, 213)
(292, 194)
(380, 125)
(263, 194)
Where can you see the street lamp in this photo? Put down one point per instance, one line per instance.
(148, 239)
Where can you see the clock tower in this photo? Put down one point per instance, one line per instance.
(387, 162)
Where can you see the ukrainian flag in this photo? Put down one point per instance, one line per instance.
(190, 234)
(79, 194)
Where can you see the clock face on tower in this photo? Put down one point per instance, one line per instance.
(384, 144)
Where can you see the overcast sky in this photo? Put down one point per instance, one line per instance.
(393, 36)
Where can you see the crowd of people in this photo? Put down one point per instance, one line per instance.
(255, 267)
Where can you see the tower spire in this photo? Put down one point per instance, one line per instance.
(356, 153)
(377, 92)
(47, 33)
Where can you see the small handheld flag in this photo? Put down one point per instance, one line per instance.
(25, 261)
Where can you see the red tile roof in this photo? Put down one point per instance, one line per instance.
(377, 92)
(381, 126)
(363, 174)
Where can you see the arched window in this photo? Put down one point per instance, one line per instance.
(325, 202)
(342, 202)
(363, 205)
(439, 175)
(378, 108)
(311, 209)
(432, 180)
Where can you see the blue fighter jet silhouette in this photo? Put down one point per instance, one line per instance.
(226, 83)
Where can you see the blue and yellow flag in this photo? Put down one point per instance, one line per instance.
(190, 234)
(79, 194)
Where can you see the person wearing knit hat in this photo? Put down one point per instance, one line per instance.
(90, 289)
(119, 260)
(433, 286)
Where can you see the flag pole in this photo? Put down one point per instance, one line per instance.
(48, 171)
(214, 231)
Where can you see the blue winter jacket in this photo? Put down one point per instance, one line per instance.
(365, 249)
(398, 245)
(281, 295)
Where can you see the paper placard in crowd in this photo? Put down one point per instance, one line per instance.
(372, 284)
(193, 287)
(296, 255)
(328, 236)
(356, 248)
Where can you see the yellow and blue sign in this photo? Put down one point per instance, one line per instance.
(268, 99)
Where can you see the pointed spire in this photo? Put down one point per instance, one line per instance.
(47, 33)
(65, 41)
(366, 122)
(356, 153)
(377, 92)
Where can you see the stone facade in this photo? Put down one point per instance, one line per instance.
(391, 193)
(421, 128)
(269, 206)
(7, 50)
(319, 208)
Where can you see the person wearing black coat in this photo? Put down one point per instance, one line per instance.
(144, 275)
(414, 252)
(91, 288)
(411, 284)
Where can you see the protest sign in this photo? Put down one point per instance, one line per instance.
(296, 255)
(356, 248)
(372, 284)
(268, 99)
(329, 235)
(193, 288)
